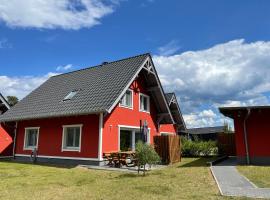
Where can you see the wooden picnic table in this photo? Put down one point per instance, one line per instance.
(119, 158)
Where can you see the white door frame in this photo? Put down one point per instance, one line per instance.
(133, 129)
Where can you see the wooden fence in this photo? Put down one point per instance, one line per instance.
(168, 148)
(226, 144)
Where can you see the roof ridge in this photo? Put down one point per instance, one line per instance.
(101, 65)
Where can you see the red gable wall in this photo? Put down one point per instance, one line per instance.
(129, 117)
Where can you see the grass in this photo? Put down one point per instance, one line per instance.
(259, 175)
(190, 179)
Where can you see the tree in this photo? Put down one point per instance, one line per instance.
(12, 100)
(146, 154)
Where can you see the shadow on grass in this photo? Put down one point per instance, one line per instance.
(198, 162)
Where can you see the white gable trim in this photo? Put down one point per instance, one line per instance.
(4, 101)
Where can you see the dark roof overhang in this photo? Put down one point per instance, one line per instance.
(232, 112)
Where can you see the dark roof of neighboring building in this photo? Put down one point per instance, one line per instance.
(99, 89)
(175, 110)
(205, 130)
(4, 106)
(228, 111)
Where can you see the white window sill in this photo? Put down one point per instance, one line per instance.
(29, 148)
(145, 111)
(128, 107)
(69, 149)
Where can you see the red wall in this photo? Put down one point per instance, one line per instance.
(258, 131)
(50, 136)
(168, 128)
(128, 117)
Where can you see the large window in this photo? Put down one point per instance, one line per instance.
(129, 137)
(31, 138)
(72, 138)
(144, 103)
(127, 100)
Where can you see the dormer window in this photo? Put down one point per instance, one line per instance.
(127, 99)
(70, 95)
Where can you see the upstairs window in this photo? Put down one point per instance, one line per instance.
(127, 100)
(72, 138)
(144, 103)
(31, 138)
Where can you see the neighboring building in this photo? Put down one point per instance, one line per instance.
(252, 130)
(4, 106)
(5, 138)
(204, 133)
(75, 117)
(169, 129)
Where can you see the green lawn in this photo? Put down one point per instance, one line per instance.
(191, 179)
(259, 175)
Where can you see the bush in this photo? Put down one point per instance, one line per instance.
(198, 147)
(146, 154)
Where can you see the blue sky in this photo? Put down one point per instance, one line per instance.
(179, 34)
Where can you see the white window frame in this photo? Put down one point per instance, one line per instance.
(125, 106)
(148, 102)
(64, 148)
(25, 147)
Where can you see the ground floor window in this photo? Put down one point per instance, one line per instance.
(129, 138)
(72, 138)
(31, 138)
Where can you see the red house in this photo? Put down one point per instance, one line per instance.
(77, 116)
(252, 130)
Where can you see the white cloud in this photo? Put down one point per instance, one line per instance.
(64, 67)
(233, 73)
(169, 49)
(21, 86)
(50, 14)
(199, 119)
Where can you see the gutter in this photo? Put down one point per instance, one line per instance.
(14, 140)
(245, 136)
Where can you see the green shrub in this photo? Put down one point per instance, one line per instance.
(146, 154)
(198, 147)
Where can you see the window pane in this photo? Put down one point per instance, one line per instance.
(31, 137)
(141, 102)
(72, 137)
(77, 137)
(145, 105)
(139, 137)
(128, 98)
(125, 140)
(69, 137)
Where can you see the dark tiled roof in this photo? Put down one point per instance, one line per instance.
(98, 88)
(206, 130)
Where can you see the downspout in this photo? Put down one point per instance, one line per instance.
(100, 157)
(245, 136)
(14, 140)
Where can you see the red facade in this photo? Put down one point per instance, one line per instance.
(51, 130)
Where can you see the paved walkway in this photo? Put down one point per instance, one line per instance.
(231, 183)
